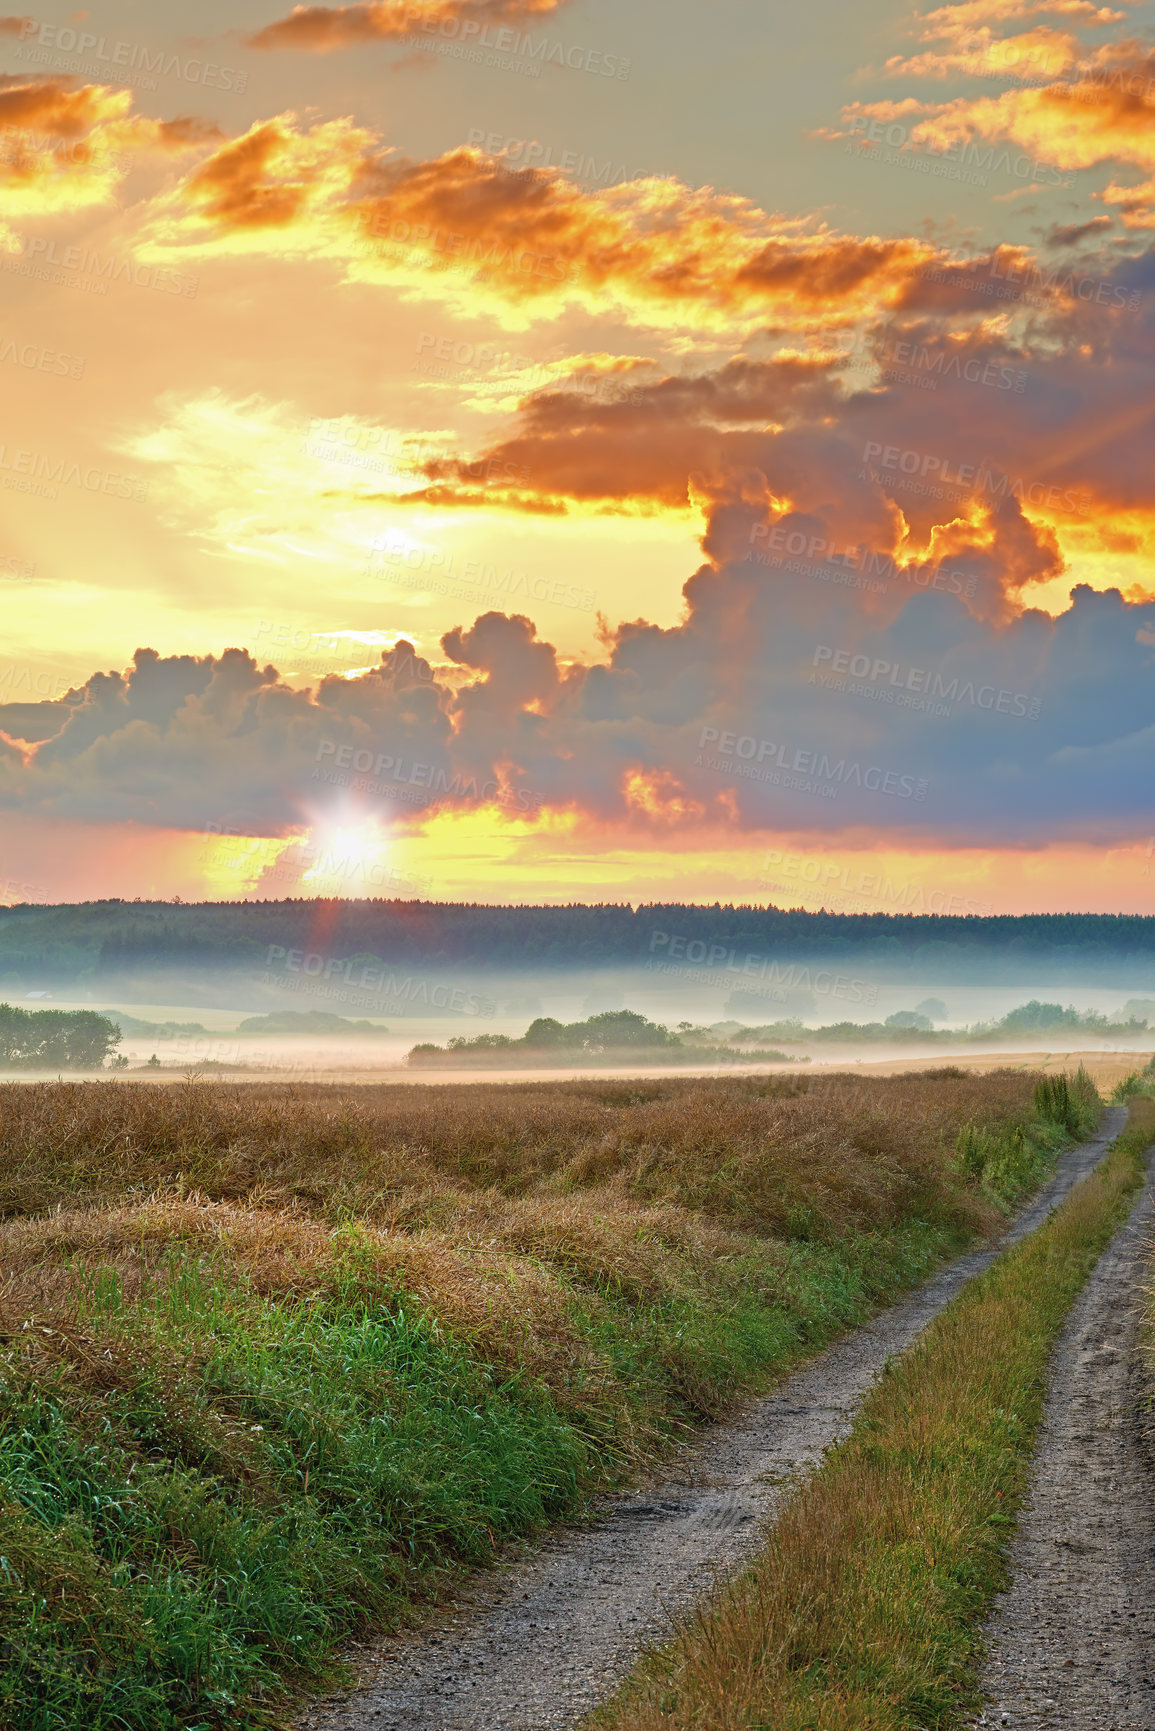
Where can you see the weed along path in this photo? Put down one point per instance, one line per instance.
(546, 1640)
(1072, 1644)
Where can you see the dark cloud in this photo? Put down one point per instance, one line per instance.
(778, 703)
(1074, 233)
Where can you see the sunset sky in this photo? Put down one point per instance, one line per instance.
(558, 450)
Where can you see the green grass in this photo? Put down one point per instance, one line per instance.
(248, 1480)
(864, 1610)
(216, 1527)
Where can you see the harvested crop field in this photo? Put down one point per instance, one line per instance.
(279, 1363)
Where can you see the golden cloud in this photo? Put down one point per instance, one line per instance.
(69, 147)
(321, 29)
(525, 243)
(1104, 112)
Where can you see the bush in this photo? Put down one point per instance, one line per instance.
(1070, 1102)
(1138, 1082)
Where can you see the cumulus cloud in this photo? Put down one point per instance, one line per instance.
(183, 741)
(321, 29)
(767, 708)
(778, 703)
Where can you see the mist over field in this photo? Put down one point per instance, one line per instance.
(327, 987)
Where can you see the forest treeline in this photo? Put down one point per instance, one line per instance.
(108, 938)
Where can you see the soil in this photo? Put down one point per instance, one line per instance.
(540, 1642)
(1072, 1643)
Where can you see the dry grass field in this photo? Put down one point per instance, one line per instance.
(275, 1359)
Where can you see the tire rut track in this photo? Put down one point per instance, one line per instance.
(1072, 1642)
(543, 1641)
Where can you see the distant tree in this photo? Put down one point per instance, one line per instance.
(55, 1039)
(1036, 1018)
(614, 1028)
(546, 1032)
(908, 1019)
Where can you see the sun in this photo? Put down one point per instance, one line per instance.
(349, 858)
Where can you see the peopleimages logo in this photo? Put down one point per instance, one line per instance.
(457, 249)
(894, 681)
(965, 155)
(696, 952)
(974, 477)
(475, 39)
(802, 770)
(39, 256)
(38, 359)
(829, 880)
(31, 682)
(429, 567)
(332, 976)
(513, 154)
(40, 474)
(852, 560)
(130, 56)
(917, 364)
(1026, 282)
(413, 781)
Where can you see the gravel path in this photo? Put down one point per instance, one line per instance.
(1072, 1643)
(543, 1641)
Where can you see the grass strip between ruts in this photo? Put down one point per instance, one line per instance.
(863, 1611)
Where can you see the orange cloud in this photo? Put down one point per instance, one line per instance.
(942, 447)
(1104, 114)
(65, 146)
(662, 445)
(976, 51)
(981, 54)
(978, 12)
(321, 29)
(525, 243)
(271, 178)
(49, 105)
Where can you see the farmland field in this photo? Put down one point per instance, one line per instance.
(279, 1362)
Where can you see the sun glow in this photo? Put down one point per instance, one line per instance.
(352, 859)
(235, 864)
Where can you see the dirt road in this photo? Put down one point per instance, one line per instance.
(1072, 1644)
(546, 1640)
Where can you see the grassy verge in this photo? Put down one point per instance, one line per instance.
(863, 1611)
(273, 1362)
(1133, 1088)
